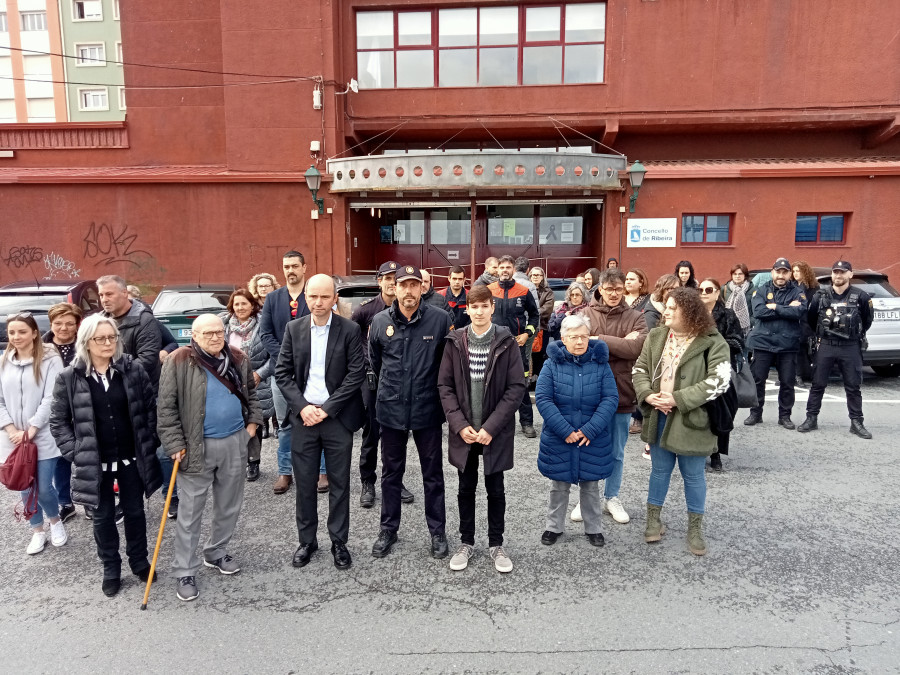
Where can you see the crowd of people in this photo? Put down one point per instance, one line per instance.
(113, 404)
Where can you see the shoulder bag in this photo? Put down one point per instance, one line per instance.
(19, 473)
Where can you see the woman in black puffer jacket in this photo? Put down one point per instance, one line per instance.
(103, 419)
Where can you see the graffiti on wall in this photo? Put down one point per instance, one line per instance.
(106, 245)
(57, 267)
(258, 255)
(17, 257)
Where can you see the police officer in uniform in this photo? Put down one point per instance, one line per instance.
(840, 317)
(368, 451)
(406, 343)
(778, 307)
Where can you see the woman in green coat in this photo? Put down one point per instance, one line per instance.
(684, 364)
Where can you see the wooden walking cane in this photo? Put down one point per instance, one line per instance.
(162, 527)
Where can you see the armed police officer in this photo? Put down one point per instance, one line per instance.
(778, 307)
(368, 450)
(840, 317)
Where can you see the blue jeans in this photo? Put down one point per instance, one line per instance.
(47, 499)
(62, 479)
(693, 471)
(619, 433)
(285, 468)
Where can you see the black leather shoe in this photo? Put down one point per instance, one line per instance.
(367, 496)
(111, 587)
(439, 547)
(528, 431)
(596, 539)
(810, 424)
(304, 553)
(856, 427)
(143, 575)
(715, 462)
(549, 538)
(342, 559)
(382, 546)
(252, 472)
(753, 418)
(786, 423)
(406, 496)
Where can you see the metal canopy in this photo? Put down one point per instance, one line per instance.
(476, 171)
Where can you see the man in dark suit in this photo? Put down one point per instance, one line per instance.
(281, 306)
(320, 371)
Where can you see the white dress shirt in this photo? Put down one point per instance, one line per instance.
(316, 393)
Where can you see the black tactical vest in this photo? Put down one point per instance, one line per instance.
(839, 320)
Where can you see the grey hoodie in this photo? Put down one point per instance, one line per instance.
(25, 403)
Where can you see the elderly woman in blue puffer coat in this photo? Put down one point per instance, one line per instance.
(576, 395)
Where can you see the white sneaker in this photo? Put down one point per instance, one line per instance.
(501, 560)
(58, 534)
(576, 514)
(614, 508)
(646, 453)
(38, 542)
(460, 559)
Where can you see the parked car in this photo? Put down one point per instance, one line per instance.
(353, 290)
(883, 354)
(178, 306)
(559, 286)
(38, 297)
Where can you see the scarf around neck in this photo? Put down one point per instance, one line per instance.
(737, 302)
(244, 330)
(223, 369)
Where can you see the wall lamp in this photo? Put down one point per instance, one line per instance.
(314, 182)
(636, 177)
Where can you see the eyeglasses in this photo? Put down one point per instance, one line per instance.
(105, 339)
(18, 315)
(210, 334)
(706, 290)
(617, 289)
(294, 305)
(577, 338)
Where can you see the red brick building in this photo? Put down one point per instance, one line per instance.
(767, 128)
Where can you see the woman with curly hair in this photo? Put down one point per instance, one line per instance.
(683, 365)
(806, 279)
(684, 270)
(260, 285)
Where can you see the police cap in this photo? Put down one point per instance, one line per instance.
(388, 267)
(781, 264)
(843, 265)
(408, 272)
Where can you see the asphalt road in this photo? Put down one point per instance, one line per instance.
(801, 576)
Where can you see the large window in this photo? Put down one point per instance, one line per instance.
(700, 228)
(514, 224)
(819, 228)
(93, 99)
(481, 46)
(32, 21)
(87, 10)
(90, 54)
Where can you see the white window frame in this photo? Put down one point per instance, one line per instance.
(83, 90)
(23, 18)
(122, 98)
(81, 62)
(75, 4)
(116, 10)
(120, 55)
(4, 24)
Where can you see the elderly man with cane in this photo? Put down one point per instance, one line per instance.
(207, 411)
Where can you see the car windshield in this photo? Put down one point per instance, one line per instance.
(10, 304)
(875, 287)
(179, 302)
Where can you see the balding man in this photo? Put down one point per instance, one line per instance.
(320, 371)
(207, 411)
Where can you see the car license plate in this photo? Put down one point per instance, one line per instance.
(887, 315)
(184, 332)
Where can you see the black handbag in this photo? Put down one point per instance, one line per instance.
(722, 409)
(744, 385)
